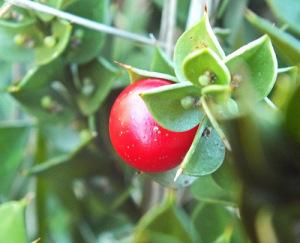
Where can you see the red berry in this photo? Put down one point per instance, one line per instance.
(138, 139)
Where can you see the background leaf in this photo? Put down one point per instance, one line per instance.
(85, 43)
(291, 7)
(13, 140)
(288, 46)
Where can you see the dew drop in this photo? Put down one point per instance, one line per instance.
(155, 129)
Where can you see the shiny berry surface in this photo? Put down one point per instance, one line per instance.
(136, 136)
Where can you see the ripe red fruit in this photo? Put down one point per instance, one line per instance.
(138, 139)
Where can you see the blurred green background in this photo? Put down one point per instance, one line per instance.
(58, 82)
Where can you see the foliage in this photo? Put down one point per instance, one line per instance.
(58, 83)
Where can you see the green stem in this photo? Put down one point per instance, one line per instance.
(214, 123)
(41, 198)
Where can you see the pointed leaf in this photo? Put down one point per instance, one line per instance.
(198, 37)
(13, 140)
(254, 65)
(206, 153)
(12, 223)
(36, 85)
(137, 74)
(166, 179)
(205, 60)
(161, 63)
(60, 31)
(287, 45)
(287, 11)
(98, 77)
(164, 103)
(10, 50)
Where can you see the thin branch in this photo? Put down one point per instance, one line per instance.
(168, 25)
(5, 8)
(27, 4)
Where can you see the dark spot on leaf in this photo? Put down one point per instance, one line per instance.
(206, 132)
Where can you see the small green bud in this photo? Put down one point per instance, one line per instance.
(47, 102)
(49, 41)
(20, 39)
(204, 79)
(187, 102)
(88, 86)
(79, 33)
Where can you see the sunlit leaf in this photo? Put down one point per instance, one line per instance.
(254, 65)
(12, 224)
(170, 113)
(205, 60)
(196, 38)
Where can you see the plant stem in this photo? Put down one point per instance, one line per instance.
(27, 4)
(41, 197)
(214, 123)
(168, 25)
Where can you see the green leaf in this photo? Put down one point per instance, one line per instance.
(161, 63)
(287, 45)
(13, 140)
(196, 38)
(218, 224)
(205, 60)
(85, 43)
(164, 103)
(51, 3)
(287, 11)
(233, 20)
(36, 86)
(205, 189)
(254, 65)
(166, 219)
(12, 224)
(137, 74)
(60, 32)
(98, 79)
(10, 50)
(69, 165)
(166, 179)
(17, 18)
(206, 153)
